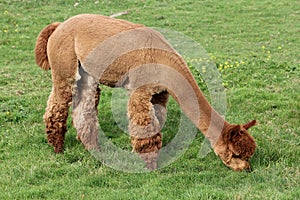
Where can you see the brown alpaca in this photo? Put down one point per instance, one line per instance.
(90, 49)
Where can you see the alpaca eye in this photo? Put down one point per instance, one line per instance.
(232, 133)
(242, 132)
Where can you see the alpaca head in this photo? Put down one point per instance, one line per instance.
(236, 146)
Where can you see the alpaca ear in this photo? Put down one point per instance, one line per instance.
(250, 124)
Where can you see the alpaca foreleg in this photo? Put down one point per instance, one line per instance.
(144, 126)
(85, 101)
(55, 117)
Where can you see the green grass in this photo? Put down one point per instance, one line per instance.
(257, 41)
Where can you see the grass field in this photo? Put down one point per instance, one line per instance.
(255, 45)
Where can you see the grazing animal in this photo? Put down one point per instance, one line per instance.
(89, 49)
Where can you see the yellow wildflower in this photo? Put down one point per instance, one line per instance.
(225, 84)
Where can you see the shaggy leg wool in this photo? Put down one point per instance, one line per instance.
(56, 116)
(148, 149)
(85, 102)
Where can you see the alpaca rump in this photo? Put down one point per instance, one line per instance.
(90, 49)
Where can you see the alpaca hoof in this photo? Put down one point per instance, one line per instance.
(89, 145)
(150, 159)
(94, 147)
(151, 166)
(57, 141)
(58, 149)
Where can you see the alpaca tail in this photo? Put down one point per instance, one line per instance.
(41, 57)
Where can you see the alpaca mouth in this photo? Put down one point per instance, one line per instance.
(236, 156)
(240, 157)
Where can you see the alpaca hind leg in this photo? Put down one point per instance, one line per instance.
(144, 125)
(55, 117)
(97, 98)
(85, 101)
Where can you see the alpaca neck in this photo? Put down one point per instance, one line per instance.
(210, 122)
(196, 107)
(201, 113)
